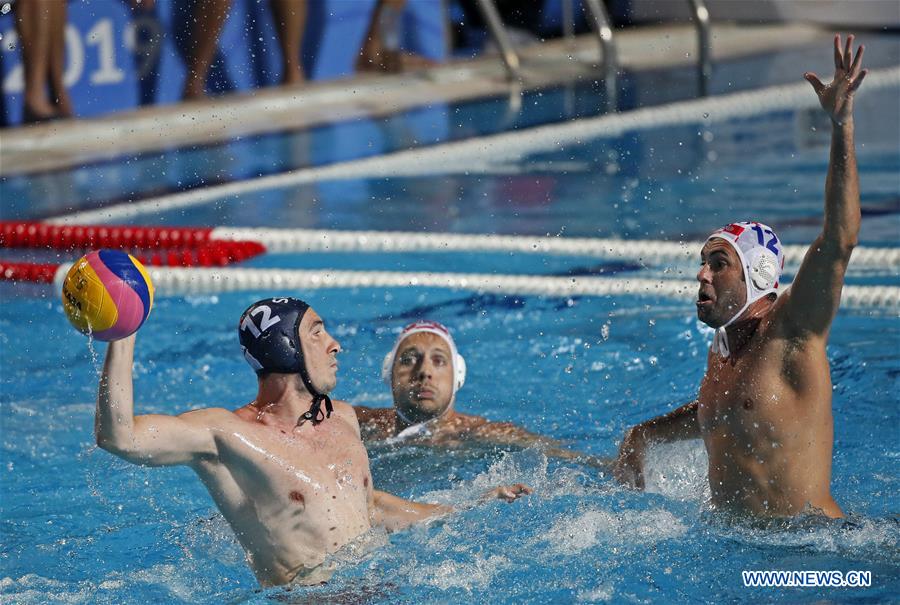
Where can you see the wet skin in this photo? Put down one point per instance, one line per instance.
(292, 494)
(422, 387)
(422, 377)
(292, 491)
(764, 412)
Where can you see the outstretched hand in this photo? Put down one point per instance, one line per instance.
(837, 97)
(508, 492)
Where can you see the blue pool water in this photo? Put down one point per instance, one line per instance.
(80, 526)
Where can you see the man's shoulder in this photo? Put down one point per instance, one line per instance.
(783, 324)
(343, 408)
(779, 331)
(367, 414)
(470, 421)
(212, 416)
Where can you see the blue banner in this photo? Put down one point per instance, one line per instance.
(118, 58)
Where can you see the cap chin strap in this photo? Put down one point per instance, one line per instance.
(314, 414)
(720, 339)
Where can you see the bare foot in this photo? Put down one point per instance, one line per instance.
(38, 110)
(194, 89)
(293, 76)
(63, 105)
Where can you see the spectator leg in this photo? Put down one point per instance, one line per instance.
(58, 93)
(209, 17)
(33, 28)
(290, 23)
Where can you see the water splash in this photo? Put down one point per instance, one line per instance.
(678, 470)
(623, 529)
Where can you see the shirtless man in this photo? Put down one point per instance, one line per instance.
(425, 370)
(292, 480)
(764, 407)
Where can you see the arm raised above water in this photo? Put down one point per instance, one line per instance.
(815, 295)
(152, 439)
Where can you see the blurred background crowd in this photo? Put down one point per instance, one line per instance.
(66, 58)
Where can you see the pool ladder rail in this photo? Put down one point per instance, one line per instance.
(603, 27)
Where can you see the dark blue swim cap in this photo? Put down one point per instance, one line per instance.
(270, 335)
(269, 331)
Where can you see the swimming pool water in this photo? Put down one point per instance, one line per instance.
(80, 526)
(135, 177)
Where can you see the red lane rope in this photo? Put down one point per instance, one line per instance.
(24, 234)
(154, 246)
(31, 272)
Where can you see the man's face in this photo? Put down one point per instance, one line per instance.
(320, 352)
(722, 290)
(422, 376)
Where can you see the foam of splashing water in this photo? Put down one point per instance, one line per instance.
(678, 470)
(475, 573)
(596, 527)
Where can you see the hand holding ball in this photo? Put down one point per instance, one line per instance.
(107, 294)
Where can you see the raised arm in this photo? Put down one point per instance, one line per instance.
(153, 440)
(815, 295)
(677, 425)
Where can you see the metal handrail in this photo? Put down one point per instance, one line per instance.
(608, 48)
(568, 19)
(700, 15)
(604, 32)
(495, 25)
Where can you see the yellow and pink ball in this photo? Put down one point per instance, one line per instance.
(107, 294)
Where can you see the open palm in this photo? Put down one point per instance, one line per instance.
(837, 97)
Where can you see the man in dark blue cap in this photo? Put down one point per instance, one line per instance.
(288, 471)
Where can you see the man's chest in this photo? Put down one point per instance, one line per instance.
(740, 399)
(322, 456)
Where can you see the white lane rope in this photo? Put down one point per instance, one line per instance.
(172, 281)
(474, 154)
(648, 252)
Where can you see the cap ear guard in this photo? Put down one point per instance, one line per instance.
(387, 366)
(764, 270)
(459, 372)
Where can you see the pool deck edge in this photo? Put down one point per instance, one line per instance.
(52, 146)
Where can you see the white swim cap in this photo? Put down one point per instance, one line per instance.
(432, 327)
(762, 259)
